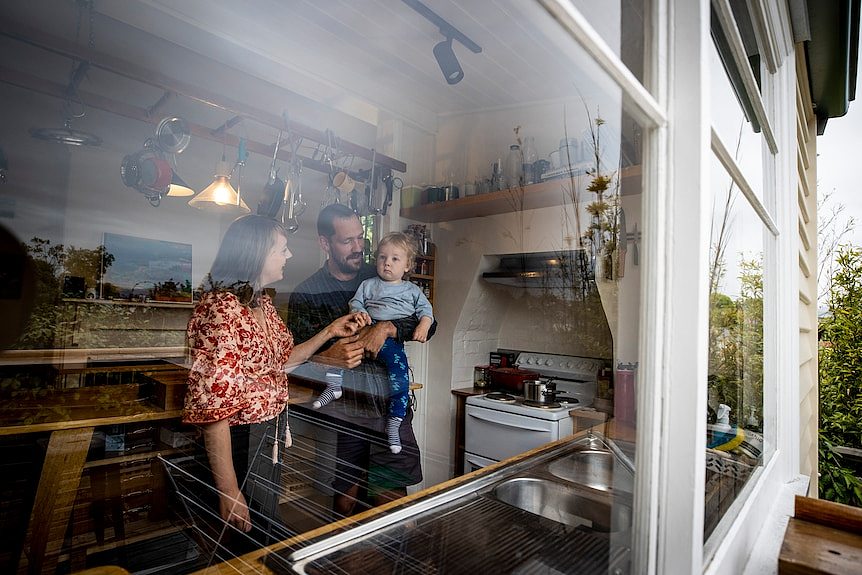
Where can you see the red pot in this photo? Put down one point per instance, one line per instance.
(511, 378)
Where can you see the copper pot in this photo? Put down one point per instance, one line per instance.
(511, 378)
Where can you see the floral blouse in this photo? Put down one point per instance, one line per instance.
(237, 365)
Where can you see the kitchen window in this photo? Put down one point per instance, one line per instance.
(564, 146)
(742, 233)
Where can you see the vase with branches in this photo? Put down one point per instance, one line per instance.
(602, 234)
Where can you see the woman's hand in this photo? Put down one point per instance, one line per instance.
(349, 324)
(232, 506)
(234, 511)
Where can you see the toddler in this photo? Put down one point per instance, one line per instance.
(387, 297)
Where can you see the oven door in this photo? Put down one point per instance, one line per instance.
(473, 462)
(498, 435)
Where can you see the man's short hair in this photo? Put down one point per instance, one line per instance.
(328, 215)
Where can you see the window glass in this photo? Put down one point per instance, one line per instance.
(735, 131)
(145, 316)
(734, 428)
(622, 25)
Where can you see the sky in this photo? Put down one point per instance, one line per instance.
(838, 164)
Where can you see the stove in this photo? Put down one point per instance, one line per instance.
(501, 425)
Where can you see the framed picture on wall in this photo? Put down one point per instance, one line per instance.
(143, 269)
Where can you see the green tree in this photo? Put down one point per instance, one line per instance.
(840, 366)
(50, 262)
(88, 264)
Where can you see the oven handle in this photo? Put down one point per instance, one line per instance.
(491, 419)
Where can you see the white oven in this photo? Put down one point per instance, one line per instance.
(496, 428)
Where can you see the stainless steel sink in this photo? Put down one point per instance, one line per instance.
(593, 468)
(581, 486)
(562, 504)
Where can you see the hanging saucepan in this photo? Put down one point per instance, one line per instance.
(273, 191)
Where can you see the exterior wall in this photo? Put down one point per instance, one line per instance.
(807, 197)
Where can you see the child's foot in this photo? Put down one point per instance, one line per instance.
(332, 391)
(393, 424)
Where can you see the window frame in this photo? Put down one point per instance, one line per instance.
(669, 485)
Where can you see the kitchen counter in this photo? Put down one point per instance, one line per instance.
(71, 416)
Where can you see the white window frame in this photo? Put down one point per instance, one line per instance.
(669, 490)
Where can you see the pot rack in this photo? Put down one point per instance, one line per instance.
(173, 87)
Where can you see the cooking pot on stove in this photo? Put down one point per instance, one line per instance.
(540, 390)
(510, 378)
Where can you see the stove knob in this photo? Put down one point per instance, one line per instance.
(549, 362)
(569, 365)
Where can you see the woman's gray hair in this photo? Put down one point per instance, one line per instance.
(241, 256)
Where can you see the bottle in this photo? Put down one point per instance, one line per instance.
(530, 159)
(514, 167)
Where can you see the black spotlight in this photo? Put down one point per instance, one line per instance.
(448, 62)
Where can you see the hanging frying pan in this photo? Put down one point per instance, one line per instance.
(172, 135)
(273, 191)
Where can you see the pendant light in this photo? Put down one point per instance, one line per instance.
(220, 195)
(179, 188)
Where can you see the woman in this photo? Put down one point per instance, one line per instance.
(241, 349)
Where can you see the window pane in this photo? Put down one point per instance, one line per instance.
(622, 26)
(745, 146)
(520, 180)
(735, 377)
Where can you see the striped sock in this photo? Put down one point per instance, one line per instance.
(332, 391)
(393, 424)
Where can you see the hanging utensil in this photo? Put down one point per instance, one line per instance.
(293, 195)
(389, 182)
(273, 192)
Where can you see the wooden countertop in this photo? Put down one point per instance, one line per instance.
(41, 410)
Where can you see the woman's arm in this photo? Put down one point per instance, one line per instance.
(232, 505)
(344, 326)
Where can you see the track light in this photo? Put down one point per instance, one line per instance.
(448, 62)
(443, 52)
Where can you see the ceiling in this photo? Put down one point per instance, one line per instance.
(365, 59)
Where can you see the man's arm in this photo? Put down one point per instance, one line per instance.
(404, 328)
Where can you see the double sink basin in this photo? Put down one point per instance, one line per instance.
(587, 487)
(569, 505)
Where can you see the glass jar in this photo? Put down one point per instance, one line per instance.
(514, 167)
(530, 159)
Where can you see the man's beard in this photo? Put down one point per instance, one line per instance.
(351, 264)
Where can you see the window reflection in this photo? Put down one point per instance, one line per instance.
(731, 125)
(533, 152)
(735, 371)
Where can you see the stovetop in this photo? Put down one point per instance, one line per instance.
(519, 405)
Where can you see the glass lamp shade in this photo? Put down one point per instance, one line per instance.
(219, 195)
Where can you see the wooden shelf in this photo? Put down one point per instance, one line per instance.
(123, 302)
(534, 196)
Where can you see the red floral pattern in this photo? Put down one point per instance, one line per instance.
(237, 365)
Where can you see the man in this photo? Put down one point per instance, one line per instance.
(365, 461)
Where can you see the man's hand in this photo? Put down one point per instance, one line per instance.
(373, 337)
(349, 351)
(346, 353)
